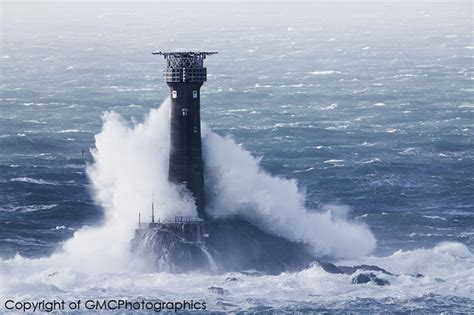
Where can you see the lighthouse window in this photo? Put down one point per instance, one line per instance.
(174, 94)
(195, 130)
(195, 94)
(184, 112)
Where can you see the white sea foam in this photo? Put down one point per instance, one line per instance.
(325, 72)
(408, 151)
(333, 161)
(447, 269)
(435, 217)
(371, 161)
(329, 107)
(29, 208)
(406, 75)
(34, 104)
(263, 86)
(33, 121)
(33, 181)
(305, 170)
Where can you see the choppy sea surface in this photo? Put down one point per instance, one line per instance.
(365, 105)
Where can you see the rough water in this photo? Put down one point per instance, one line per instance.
(345, 126)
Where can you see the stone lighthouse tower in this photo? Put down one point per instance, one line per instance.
(185, 74)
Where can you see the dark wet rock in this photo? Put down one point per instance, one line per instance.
(373, 268)
(418, 275)
(228, 246)
(350, 270)
(381, 282)
(231, 279)
(361, 278)
(369, 277)
(328, 267)
(216, 290)
(218, 246)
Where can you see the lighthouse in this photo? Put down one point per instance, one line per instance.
(184, 74)
(220, 243)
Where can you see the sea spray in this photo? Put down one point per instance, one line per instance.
(130, 168)
(131, 163)
(236, 184)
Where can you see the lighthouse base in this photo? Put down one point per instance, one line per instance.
(217, 246)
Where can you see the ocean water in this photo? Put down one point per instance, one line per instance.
(353, 123)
